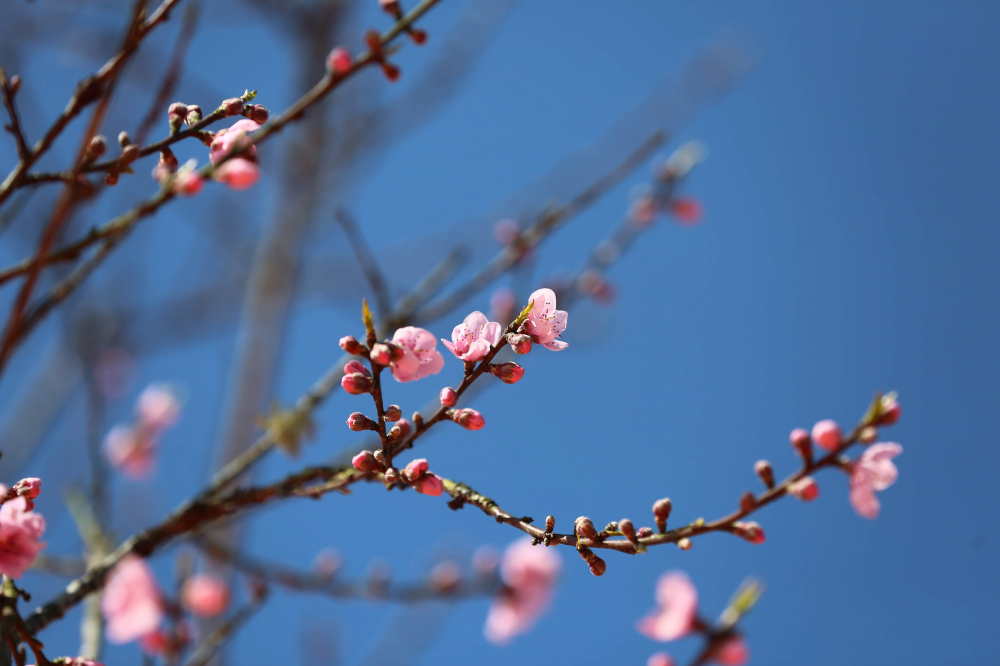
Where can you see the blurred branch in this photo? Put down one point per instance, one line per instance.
(366, 259)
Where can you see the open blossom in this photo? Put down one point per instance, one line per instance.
(677, 605)
(420, 357)
(233, 137)
(529, 573)
(132, 603)
(21, 532)
(205, 595)
(472, 339)
(131, 452)
(157, 408)
(545, 322)
(873, 471)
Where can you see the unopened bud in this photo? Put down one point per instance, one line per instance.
(395, 432)
(98, 144)
(111, 178)
(508, 373)
(467, 418)
(123, 139)
(418, 420)
(661, 512)
(391, 475)
(358, 422)
(644, 532)
(585, 528)
(404, 427)
(765, 472)
(339, 61)
(684, 544)
(385, 353)
(232, 106)
(827, 434)
(380, 456)
(130, 154)
(390, 6)
(747, 502)
(890, 410)
(868, 435)
(366, 462)
(445, 577)
(448, 396)
(802, 444)
(418, 36)
(751, 531)
(597, 565)
(373, 41)
(550, 523)
(15, 84)
(357, 383)
(177, 110)
(625, 527)
(193, 116)
(350, 344)
(520, 343)
(392, 413)
(257, 113)
(805, 489)
(391, 71)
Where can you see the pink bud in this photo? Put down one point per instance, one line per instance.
(644, 532)
(508, 373)
(751, 531)
(358, 422)
(520, 343)
(177, 111)
(801, 443)
(404, 427)
(365, 462)
(232, 106)
(661, 512)
(357, 383)
(97, 146)
(123, 139)
(468, 418)
(805, 489)
(827, 434)
(258, 113)
(585, 527)
(448, 396)
(392, 413)
(429, 484)
(733, 652)
(352, 367)
(684, 544)
(765, 472)
(660, 659)
(351, 345)
(687, 211)
(415, 469)
(188, 183)
(339, 61)
(626, 527)
(193, 116)
(205, 596)
(890, 412)
(385, 353)
(238, 173)
(28, 488)
(391, 475)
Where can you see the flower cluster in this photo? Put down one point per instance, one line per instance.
(21, 529)
(131, 448)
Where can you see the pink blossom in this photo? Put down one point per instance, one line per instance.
(873, 471)
(238, 173)
(130, 452)
(154, 643)
(29, 489)
(21, 531)
(205, 595)
(230, 138)
(365, 462)
(429, 484)
(469, 419)
(529, 574)
(677, 605)
(660, 659)
(448, 396)
(827, 435)
(420, 357)
(415, 469)
(187, 183)
(157, 408)
(132, 603)
(687, 211)
(545, 322)
(339, 61)
(805, 489)
(733, 652)
(473, 338)
(356, 380)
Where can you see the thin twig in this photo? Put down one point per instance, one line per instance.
(366, 259)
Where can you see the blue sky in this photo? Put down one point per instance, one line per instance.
(848, 246)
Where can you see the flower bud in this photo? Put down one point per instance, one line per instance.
(418, 35)
(395, 432)
(550, 523)
(415, 469)
(357, 383)
(257, 113)
(380, 456)
(389, 6)
(827, 434)
(130, 154)
(445, 577)
(764, 471)
(366, 462)
(805, 489)
(232, 106)
(585, 528)
(868, 435)
(467, 418)
(686, 210)
(802, 444)
(358, 422)
(747, 502)
(98, 144)
(177, 111)
(385, 353)
(597, 565)
(508, 373)
(391, 475)
(193, 116)
(751, 531)
(111, 178)
(890, 411)
(391, 71)
(339, 61)
(418, 420)
(661, 512)
(350, 344)
(123, 139)
(15, 84)
(625, 527)
(660, 659)
(448, 396)
(644, 532)
(392, 413)
(684, 544)
(403, 426)
(520, 343)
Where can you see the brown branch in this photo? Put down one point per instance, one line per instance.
(7, 93)
(366, 259)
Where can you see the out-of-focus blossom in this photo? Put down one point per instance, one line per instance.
(21, 532)
(238, 173)
(132, 603)
(472, 339)
(130, 452)
(545, 322)
(327, 563)
(506, 231)
(445, 576)
(873, 471)
(732, 652)
(660, 659)
(233, 137)
(686, 211)
(115, 372)
(805, 489)
(157, 408)
(529, 573)
(676, 608)
(643, 210)
(205, 595)
(420, 357)
(827, 434)
(339, 61)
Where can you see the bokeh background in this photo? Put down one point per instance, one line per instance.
(849, 245)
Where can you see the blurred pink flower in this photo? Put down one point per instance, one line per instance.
(21, 531)
(827, 435)
(130, 452)
(677, 605)
(339, 60)
(805, 489)
(872, 471)
(205, 595)
(420, 356)
(157, 408)
(238, 173)
(473, 338)
(733, 652)
(29, 489)
(529, 573)
(660, 659)
(228, 138)
(687, 211)
(545, 322)
(132, 603)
